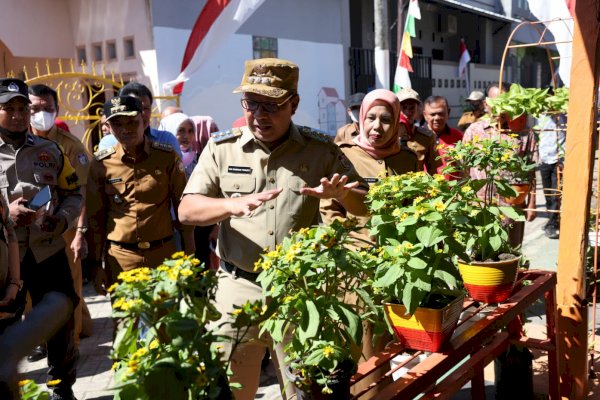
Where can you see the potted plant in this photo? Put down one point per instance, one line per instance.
(517, 103)
(413, 273)
(163, 348)
(305, 280)
(487, 262)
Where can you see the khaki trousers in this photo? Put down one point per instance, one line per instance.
(247, 356)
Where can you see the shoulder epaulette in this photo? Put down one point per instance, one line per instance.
(162, 146)
(103, 153)
(222, 136)
(315, 134)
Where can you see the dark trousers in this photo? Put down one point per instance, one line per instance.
(201, 234)
(53, 275)
(549, 174)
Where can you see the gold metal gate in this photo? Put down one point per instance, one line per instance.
(82, 91)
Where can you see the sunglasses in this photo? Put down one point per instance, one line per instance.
(268, 107)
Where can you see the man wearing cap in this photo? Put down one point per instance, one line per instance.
(260, 181)
(476, 106)
(436, 113)
(419, 139)
(349, 131)
(131, 189)
(27, 165)
(144, 95)
(44, 108)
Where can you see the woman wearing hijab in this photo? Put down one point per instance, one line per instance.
(377, 148)
(184, 129)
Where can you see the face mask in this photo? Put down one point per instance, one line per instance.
(43, 120)
(473, 106)
(354, 113)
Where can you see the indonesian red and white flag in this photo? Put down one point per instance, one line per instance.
(217, 20)
(557, 17)
(465, 59)
(405, 53)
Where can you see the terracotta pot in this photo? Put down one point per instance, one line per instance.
(428, 328)
(518, 124)
(522, 190)
(489, 281)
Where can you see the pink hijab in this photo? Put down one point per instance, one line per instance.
(392, 146)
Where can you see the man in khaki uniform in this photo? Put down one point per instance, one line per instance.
(475, 103)
(44, 108)
(29, 164)
(131, 189)
(420, 140)
(260, 181)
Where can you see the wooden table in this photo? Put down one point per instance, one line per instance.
(480, 338)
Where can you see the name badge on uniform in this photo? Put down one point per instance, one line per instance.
(371, 180)
(114, 180)
(239, 170)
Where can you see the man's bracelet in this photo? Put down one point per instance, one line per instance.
(17, 282)
(82, 229)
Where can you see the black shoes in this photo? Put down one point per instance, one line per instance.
(63, 394)
(551, 231)
(38, 353)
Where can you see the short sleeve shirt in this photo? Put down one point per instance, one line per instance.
(74, 150)
(237, 164)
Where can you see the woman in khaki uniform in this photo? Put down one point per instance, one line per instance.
(376, 151)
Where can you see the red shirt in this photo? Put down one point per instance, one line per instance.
(448, 138)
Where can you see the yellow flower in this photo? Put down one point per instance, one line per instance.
(408, 246)
(25, 382)
(403, 216)
(53, 382)
(439, 205)
(417, 200)
(327, 390)
(419, 211)
(195, 261)
(179, 254)
(115, 365)
(186, 272)
(289, 256)
(162, 268)
(236, 312)
(433, 192)
(153, 344)
(438, 177)
(475, 138)
(112, 287)
(397, 212)
(466, 189)
(328, 351)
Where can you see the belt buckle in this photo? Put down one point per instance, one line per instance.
(143, 245)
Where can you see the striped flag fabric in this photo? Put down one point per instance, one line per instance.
(464, 60)
(401, 78)
(217, 20)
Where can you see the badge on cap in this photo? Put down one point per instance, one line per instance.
(13, 87)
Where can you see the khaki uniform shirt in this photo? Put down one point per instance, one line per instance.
(74, 150)
(346, 133)
(23, 172)
(370, 170)
(234, 163)
(129, 200)
(423, 143)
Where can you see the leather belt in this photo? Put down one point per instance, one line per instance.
(143, 245)
(238, 272)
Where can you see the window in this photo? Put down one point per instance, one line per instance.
(128, 47)
(81, 55)
(97, 51)
(111, 50)
(264, 47)
(437, 54)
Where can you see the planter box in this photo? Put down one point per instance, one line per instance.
(522, 190)
(428, 328)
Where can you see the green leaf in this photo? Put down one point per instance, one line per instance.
(429, 235)
(417, 263)
(392, 274)
(352, 321)
(495, 243)
(310, 322)
(510, 212)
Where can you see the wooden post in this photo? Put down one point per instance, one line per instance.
(579, 158)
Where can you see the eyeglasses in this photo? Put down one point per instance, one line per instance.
(268, 107)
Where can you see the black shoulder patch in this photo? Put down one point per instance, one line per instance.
(315, 134)
(103, 153)
(162, 146)
(222, 136)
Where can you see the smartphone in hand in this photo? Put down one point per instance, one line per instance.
(40, 199)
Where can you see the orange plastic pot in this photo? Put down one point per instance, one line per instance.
(522, 190)
(490, 282)
(428, 328)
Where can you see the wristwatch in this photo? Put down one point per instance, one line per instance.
(82, 229)
(17, 282)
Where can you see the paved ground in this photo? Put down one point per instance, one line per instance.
(94, 374)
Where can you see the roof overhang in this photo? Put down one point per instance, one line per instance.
(476, 10)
